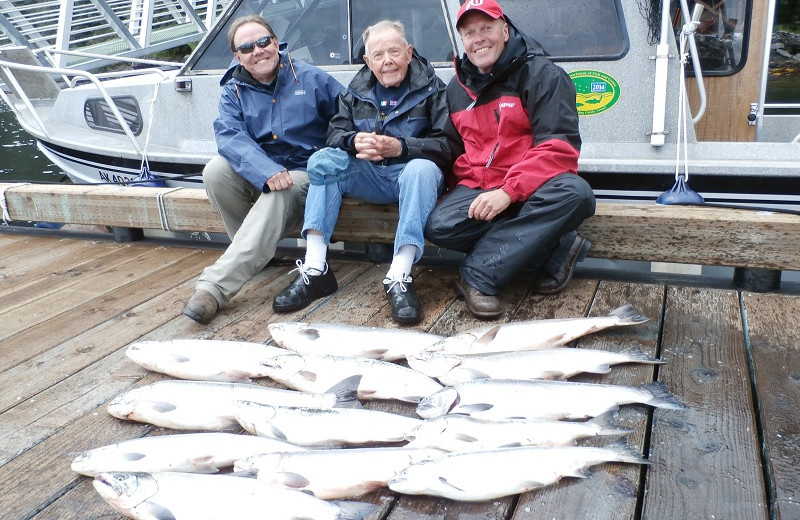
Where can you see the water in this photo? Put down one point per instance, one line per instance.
(20, 160)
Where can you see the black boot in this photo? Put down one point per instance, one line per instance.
(309, 285)
(406, 308)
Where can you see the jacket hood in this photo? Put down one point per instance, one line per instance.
(239, 73)
(420, 71)
(519, 48)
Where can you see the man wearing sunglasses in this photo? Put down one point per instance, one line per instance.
(387, 145)
(273, 114)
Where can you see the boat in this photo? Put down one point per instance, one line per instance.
(665, 93)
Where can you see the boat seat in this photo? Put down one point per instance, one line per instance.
(36, 85)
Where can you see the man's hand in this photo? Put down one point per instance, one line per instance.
(373, 147)
(280, 181)
(488, 205)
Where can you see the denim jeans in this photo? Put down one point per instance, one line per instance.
(334, 174)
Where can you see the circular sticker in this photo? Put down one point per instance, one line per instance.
(596, 91)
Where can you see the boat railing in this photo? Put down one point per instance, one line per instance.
(156, 65)
(8, 68)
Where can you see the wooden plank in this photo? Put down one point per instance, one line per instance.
(65, 315)
(774, 344)
(612, 490)
(705, 459)
(647, 232)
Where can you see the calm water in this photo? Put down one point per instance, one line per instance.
(20, 160)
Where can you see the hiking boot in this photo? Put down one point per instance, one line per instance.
(201, 307)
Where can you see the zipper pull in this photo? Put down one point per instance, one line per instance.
(491, 156)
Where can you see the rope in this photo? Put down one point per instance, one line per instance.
(162, 209)
(150, 112)
(6, 216)
(683, 140)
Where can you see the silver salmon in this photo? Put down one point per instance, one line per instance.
(369, 378)
(486, 475)
(190, 496)
(495, 399)
(464, 433)
(557, 363)
(183, 452)
(533, 334)
(203, 359)
(323, 427)
(349, 340)
(335, 473)
(202, 405)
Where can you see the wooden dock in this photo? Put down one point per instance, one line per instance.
(70, 307)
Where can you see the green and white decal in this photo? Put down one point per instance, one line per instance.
(596, 91)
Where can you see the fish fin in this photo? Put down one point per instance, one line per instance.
(463, 437)
(238, 376)
(511, 445)
(376, 353)
(471, 373)
(636, 355)
(354, 510)
(293, 480)
(133, 456)
(448, 483)
(624, 452)
(310, 333)
(277, 433)
(154, 511)
(489, 335)
(346, 392)
(662, 398)
(180, 358)
(578, 473)
(552, 374)
(162, 406)
(601, 369)
(607, 426)
(204, 464)
(474, 408)
(626, 315)
(308, 375)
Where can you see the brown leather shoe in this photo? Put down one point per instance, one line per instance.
(482, 305)
(545, 284)
(201, 307)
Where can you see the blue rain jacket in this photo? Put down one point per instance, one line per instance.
(263, 129)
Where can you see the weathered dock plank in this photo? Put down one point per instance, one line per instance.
(611, 490)
(706, 459)
(774, 343)
(735, 237)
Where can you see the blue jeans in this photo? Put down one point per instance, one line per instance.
(334, 174)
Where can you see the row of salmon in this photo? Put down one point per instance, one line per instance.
(478, 401)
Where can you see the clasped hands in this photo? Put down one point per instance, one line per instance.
(375, 147)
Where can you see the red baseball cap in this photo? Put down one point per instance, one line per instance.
(489, 7)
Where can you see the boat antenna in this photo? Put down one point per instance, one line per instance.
(681, 193)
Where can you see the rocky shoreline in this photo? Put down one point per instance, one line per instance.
(785, 53)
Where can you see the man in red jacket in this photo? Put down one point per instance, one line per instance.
(515, 199)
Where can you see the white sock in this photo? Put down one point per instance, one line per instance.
(316, 251)
(402, 262)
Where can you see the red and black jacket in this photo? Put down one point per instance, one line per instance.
(516, 127)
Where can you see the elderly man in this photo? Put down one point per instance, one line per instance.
(516, 200)
(273, 113)
(387, 144)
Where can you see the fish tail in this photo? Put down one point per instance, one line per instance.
(347, 392)
(607, 427)
(638, 356)
(354, 510)
(626, 315)
(661, 397)
(621, 451)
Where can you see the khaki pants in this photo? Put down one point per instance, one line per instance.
(255, 222)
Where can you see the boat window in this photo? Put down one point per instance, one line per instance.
(316, 32)
(721, 35)
(586, 30)
(98, 114)
(425, 23)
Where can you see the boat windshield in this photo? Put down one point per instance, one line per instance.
(328, 32)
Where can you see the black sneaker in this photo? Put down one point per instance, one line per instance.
(309, 285)
(406, 308)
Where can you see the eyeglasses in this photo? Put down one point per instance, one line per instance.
(247, 48)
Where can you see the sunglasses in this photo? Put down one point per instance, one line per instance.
(247, 48)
